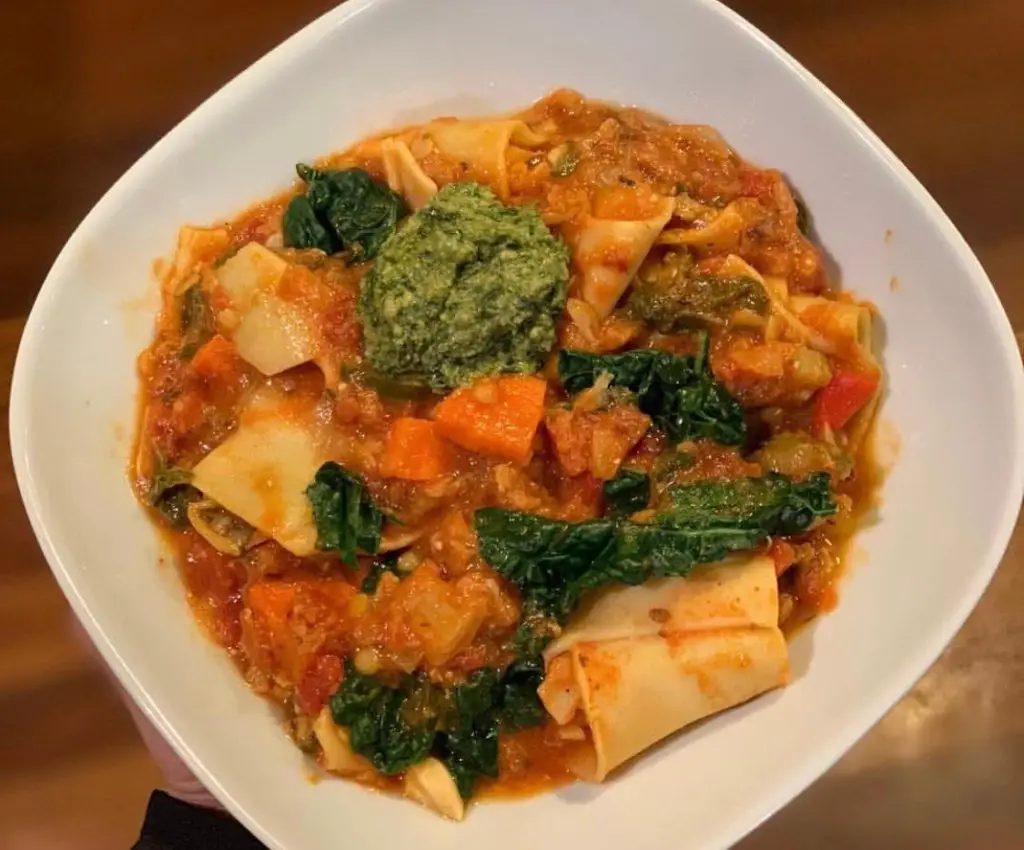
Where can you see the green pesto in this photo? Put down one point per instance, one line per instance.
(468, 287)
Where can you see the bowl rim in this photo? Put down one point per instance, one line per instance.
(249, 81)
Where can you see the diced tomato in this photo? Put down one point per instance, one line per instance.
(216, 360)
(755, 183)
(783, 554)
(321, 680)
(842, 397)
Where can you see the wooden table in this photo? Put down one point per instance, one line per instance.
(91, 84)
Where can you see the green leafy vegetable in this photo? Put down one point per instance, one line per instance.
(342, 210)
(773, 504)
(678, 393)
(388, 564)
(347, 519)
(553, 563)
(406, 388)
(377, 721)
(195, 321)
(669, 296)
(521, 708)
(398, 725)
(469, 747)
(302, 228)
(627, 493)
(804, 222)
(548, 560)
(171, 491)
(567, 157)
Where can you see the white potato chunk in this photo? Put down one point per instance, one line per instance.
(271, 333)
(430, 784)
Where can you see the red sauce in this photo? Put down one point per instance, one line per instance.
(290, 623)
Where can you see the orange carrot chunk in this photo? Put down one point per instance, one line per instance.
(415, 451)
(495, 416)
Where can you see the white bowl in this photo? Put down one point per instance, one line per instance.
(955, 379)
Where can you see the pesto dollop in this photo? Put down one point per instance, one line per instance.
(468, 287)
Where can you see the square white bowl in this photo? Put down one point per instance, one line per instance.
(956, 397)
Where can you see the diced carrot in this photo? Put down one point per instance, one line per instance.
(415, 451)
(495, 416)
(842, 397)
(216, 358)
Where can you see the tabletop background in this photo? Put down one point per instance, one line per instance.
(89, 85)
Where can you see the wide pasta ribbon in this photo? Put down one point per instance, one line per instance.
(643, 662)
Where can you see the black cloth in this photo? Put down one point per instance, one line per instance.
(173, 825)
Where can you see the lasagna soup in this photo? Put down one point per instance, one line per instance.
(498, 450)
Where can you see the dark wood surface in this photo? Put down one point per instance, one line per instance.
(89, 85)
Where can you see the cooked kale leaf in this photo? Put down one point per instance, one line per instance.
(773, 502)
(342, 210)
(398, 725)
(170, 492)
(568, 158)
(377, 722)
(553, 563)
(804, 220)
(687, 302)
(387, 564)
(347, 519)
(626, 493)
(195, 321)
(678, 393)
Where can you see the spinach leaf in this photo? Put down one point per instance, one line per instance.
(170, 492)
(553, 563)
(196, 321)
(627, 493)
(342, 210)
(346, 516)
(678, 393)
(302, 229)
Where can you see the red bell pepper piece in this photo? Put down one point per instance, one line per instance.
(842, 397)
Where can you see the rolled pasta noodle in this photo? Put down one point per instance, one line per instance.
(845, 324)
(483, 145)
(646, 661)
(609, 252)
(723, 233)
